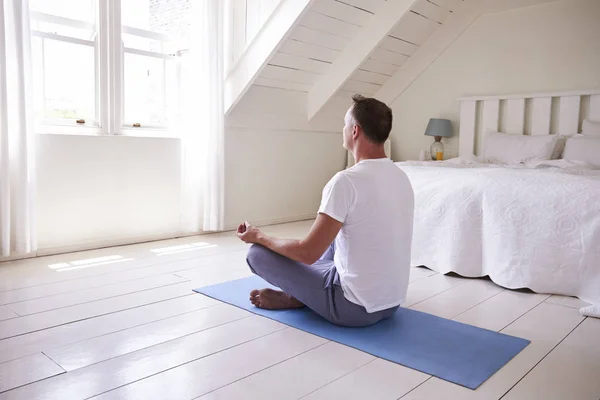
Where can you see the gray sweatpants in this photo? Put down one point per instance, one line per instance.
(317, 286)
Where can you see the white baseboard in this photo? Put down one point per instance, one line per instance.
(17, 257)
(100, 244)
(49, 251)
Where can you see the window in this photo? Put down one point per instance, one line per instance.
(64, 90)
(108, 66)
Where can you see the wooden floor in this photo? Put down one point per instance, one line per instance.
(123, 323)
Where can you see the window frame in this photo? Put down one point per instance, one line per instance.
(48, 125)
(161, 56)
(109, 57)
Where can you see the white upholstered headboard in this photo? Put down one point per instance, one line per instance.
(524, 114)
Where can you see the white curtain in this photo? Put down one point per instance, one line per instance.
(203, 135)
(17, 155)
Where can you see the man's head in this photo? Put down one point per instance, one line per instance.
(368, 119)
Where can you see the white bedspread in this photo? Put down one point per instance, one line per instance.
(535, 226)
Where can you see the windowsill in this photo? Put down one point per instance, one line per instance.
(151, 133)
(96, 132)
(80, 130)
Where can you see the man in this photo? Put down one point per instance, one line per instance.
(353, 266)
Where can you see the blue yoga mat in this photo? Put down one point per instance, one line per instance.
(456, 352)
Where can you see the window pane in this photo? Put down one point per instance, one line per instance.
(167, 17)
(82, 10)
(145, 81)
(170, 17)
(150, 83)
(68, 87)
(142, 43)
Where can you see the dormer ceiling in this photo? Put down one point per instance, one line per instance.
(335, 48)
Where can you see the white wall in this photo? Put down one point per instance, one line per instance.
(550, 47)
(274, 176)
(276, 162)
(103, 190)
(96, 191)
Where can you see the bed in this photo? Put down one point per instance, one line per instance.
(533, 224)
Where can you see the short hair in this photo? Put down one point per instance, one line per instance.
(373, 116)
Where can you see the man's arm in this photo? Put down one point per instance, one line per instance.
(307, 250)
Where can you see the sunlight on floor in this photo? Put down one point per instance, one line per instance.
(87, 263)
(182, 248)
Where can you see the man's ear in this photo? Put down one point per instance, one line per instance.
(355, 131)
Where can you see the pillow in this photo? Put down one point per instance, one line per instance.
(514, 149)
(582, 148)
(590, 128)
(561, 141)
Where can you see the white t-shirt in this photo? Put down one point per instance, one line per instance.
(375, 202)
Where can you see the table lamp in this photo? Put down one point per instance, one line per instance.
(438, 128)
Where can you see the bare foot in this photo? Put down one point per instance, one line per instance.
(270, 299)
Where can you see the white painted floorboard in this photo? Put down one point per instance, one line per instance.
(49, 319)
(25, 370)
(420, 273)
(6, 313)
(574, 363)
(567, 301)
(108, 375)
(298, 376)
(89, 295)
(379, 379)
(82, 354)
(424, 289)
(73, 285)
(61, 335)
(211, 373)
(134, 329)
(499, 311)
(458, 299)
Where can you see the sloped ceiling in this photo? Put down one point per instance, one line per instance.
(323, 51)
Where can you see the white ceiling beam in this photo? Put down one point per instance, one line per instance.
(373, 32)
(454, 26)
(437, 43)
(273, 33)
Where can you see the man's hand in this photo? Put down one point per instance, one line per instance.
(248, 233)
(307, 251)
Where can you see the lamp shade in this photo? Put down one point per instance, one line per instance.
(439, 127)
